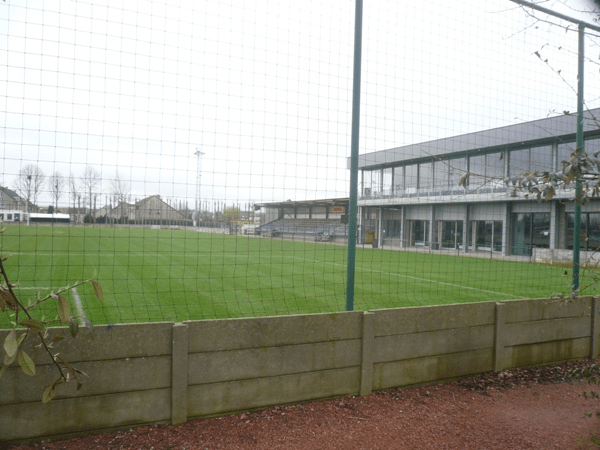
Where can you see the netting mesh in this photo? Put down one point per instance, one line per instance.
(192, 157)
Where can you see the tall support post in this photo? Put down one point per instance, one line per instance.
(353, 204)
(199, 155)
(577, 224)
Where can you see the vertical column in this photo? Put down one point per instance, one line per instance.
(506, 228)
(368, 349)
(499, 350)
(466, 235)
(179, 374)
(380, 228)
(595, 318)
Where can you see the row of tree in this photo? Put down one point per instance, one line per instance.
(82, 190)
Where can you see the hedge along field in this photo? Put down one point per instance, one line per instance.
(150, 275)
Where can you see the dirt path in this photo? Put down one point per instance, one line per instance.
(526, 409)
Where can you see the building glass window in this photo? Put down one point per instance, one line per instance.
(519, 162)
(541, 158)
(410, 179)
(592, 146)
(392, 228)
(372, 182)
(485, 233)
(451, 233)
(486, 171)
(419, 233)
(530, 230)
(442, 176)
(387, 182)
(477, 170)
(590, 231)
(488, 235)
(564, 154)
(425, 178)
(457, 168)
(399, 180)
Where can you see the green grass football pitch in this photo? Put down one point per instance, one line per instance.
(150, 275)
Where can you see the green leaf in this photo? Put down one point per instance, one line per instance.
(2, 301)
(26, 363)
(10, 343)
(35, 325)
(73, 326)
(550, 193)
(8, 360)
(64, 309)
(50, 390)
(8, 299)
(97, 290)
(57, 338)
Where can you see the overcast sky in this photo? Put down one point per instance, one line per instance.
(263, 87)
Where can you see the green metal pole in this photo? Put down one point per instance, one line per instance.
(353, 208)
(577, 225)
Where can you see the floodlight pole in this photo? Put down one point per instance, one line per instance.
(580, 89)
(353, 201)
(199, 155)
(577, 222)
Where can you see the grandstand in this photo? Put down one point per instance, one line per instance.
(316, 220)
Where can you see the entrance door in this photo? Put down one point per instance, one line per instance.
(521, 234)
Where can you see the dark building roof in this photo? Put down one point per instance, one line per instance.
(306, 203)
(537, 132)
(12, 195)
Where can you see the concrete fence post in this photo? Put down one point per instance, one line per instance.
(179, 381)
(368, 350)
(595, 318)
(499, 350)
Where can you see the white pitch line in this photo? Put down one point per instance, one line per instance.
(77, 303)
(411, 277)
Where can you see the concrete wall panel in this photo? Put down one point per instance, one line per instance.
(435, 368)
(61, 417)
(431, 318)
(548, 352)
(231, 334)
(419, 345)
(217, 398)
(546, 331)
(104, 377)
(528, 311)
(106, 342)
(272, 361)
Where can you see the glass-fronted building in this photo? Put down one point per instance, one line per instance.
(411, 196)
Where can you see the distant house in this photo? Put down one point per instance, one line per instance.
(148, 211)
(13, 207)
(9, 199)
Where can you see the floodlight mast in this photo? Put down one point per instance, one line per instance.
(582, 25)
(199, 155)
(353, 200)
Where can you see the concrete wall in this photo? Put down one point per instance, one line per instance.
(548, 255)
(165, 372)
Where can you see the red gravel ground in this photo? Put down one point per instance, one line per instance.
(520, 409)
